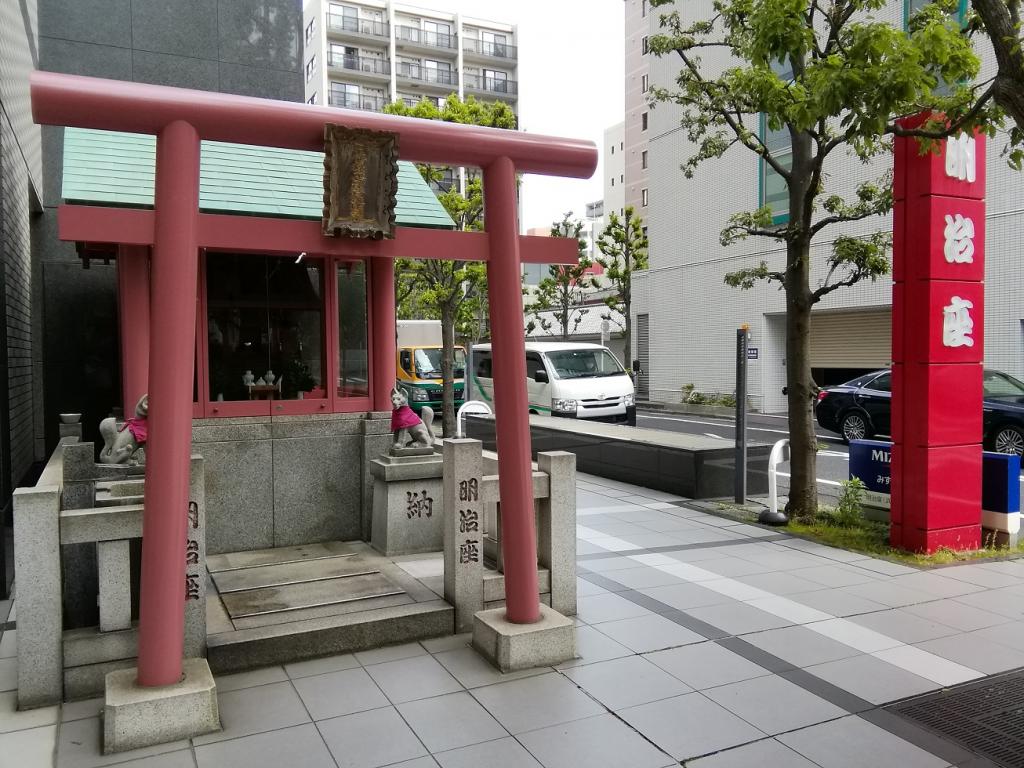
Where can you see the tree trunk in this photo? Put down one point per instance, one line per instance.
(803, 443)
(448, 369)
(564, 312)
(628, 347)
(1009, 82)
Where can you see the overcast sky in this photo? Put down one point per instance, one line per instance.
(571, 83)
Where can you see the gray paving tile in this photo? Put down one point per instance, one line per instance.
(8, 674)
(622, 683)
(255, 710)
(686, 596)
(974, 651)
(593, 645)
(883, 567)
(800, 646)
(774, 705)
(79, 744)
(643, 577)
(934, 584)
(455, 642)
(780, 583)
(838, 602)
(390, 653)
(1011, 634)
(419, 762)
(370, 739)
(13, 720)
(597, 742)
(648, 633)
(737, 618)
(889, 594)
(854, 743)
(983, 577)
(339, 693)
(9, 644)
(180, 759)
(535, 702)
(79, 710)
(767, 753)
(606, 564)
(450, 721)
(413, 678)
(958, 615)
(250, 679)
(607, 608)
(299, 745)
(872, 679)
(585, 588)
(903, 625)
(320, 666)
(690, 725)
(732, 567)
(1004, 602)
(502, 753)
(34, 747)
(472, 670)
(835, 575)
(706, 665)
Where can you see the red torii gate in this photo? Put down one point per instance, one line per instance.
(176, 229)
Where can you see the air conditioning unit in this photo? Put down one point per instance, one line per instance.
(367, 66)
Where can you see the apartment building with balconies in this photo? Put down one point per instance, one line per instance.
(363, 55)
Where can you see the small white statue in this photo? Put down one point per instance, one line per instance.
(406, 426)
(248, 379)
(269, 376)
(120, 445)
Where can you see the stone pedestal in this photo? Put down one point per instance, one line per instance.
(512, 647)
(407, 504)
(135, 717)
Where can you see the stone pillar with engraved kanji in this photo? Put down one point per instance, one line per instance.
(463, 530)
(938, 342)
(195, 564)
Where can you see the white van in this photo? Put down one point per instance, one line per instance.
(575, 381)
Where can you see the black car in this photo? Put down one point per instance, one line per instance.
(859, 409)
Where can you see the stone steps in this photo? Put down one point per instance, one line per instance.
(325, 636)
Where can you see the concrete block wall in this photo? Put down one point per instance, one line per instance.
(279, 481)
(693, 314)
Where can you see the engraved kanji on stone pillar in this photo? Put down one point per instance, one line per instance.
(463, 530)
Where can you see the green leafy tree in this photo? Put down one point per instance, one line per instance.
(450, 290)
(830, 78)
(563, 290)
(623, 247)
(1000, 20)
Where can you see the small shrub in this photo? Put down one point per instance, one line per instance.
(729, 401)
(849, 512)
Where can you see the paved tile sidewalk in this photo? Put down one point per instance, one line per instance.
(701, 640)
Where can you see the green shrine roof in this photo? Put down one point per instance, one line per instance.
(116, 169)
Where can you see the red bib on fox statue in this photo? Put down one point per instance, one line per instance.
(403, 417)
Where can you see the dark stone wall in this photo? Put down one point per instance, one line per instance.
(247, 47)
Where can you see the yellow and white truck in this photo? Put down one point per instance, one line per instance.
(419, 364)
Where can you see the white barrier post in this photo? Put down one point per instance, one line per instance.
(470, 406)
(772, 515)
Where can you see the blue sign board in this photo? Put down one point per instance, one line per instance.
(871, 461)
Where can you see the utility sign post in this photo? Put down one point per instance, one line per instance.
(740, 478)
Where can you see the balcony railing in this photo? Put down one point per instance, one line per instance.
(487, 48)
(491, 84)
(356, 101)
(341, 23)
(425, 37)
(360, 63)
(428, 74)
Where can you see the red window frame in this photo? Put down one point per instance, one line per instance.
(331, 402)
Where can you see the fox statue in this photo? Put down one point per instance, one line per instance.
(409, 430)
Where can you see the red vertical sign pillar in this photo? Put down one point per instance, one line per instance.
(938, 343)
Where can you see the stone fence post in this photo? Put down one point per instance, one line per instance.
(195, 563)
(40, 614)
(556, 528)
(463, 530)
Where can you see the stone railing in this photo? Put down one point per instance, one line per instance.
(76, 539)
(472, 529)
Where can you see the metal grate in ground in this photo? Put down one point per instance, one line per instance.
(986, 716)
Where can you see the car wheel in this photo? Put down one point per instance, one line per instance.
(1009, 439)
(854, 427)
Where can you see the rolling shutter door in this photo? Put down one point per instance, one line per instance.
(851, 339)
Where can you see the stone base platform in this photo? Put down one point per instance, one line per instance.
(512, 647)
(135, 717)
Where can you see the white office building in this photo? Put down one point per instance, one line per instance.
(363, 55)
(685, 316)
